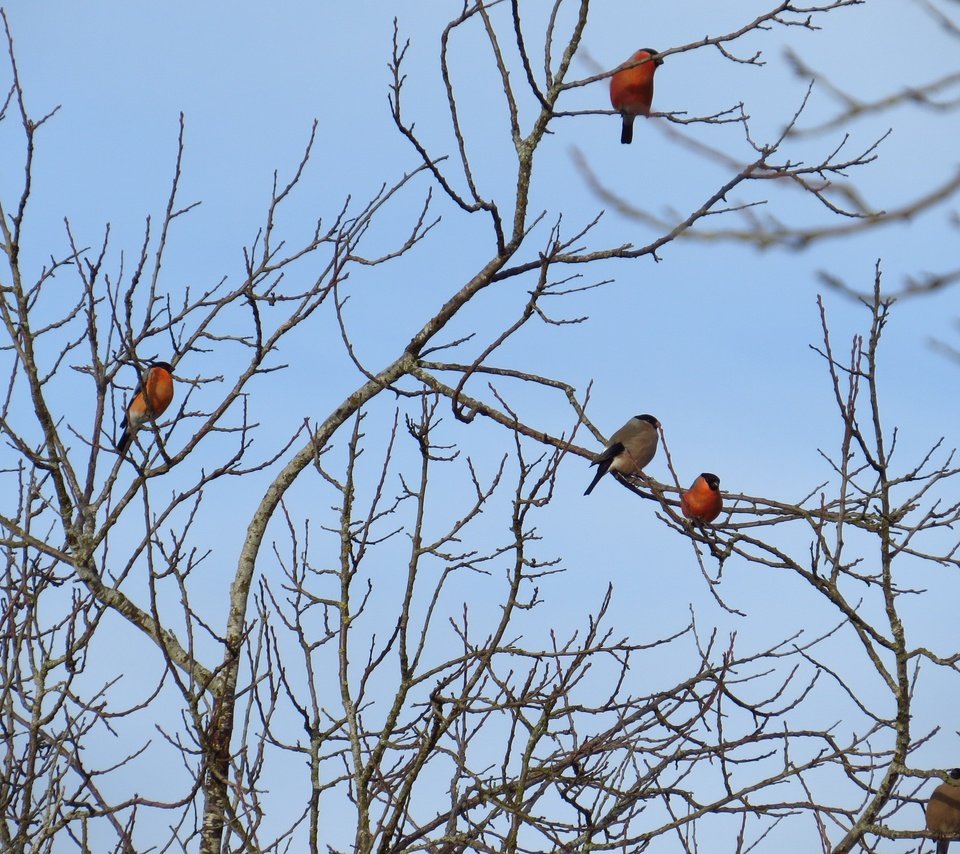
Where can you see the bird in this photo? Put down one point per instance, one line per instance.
(629, 449)
(631, 89)
(702, 502)
(943, 809)
(150, 400)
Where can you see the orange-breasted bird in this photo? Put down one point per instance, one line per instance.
(631, 89)
(629, 449)
(702, 501)
(152, 397)
(943, 809)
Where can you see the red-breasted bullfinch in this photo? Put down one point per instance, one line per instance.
(629, 449)
(943, 810)
(631, 89)
(702, 501)
(152, 397)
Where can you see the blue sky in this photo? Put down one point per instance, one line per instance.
(714, 339)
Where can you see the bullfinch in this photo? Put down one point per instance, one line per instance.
(152, 397)
(943, 810)
(629, 449)
(702, 501)
(631, 89)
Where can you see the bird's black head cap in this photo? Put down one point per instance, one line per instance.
(649, 419)
(165, 365)
(954, 773)
(712, 480)
(655, 54)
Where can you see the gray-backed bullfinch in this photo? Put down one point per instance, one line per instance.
(629, 449)
(943, 810)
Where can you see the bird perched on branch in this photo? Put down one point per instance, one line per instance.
(702, 502)
(943, 810)
(629, 449)
(631, 89)
(150, 400)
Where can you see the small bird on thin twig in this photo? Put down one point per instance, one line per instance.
(152, 397)
(702, 502)
(629, 449)
(943, 809)
(631, 89)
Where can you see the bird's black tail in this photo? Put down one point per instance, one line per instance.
(626, 133)
(602, 468)
(123, 443)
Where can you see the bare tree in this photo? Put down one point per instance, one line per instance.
(337, 640)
